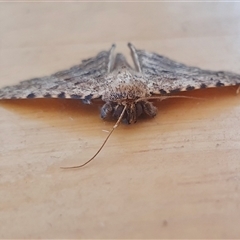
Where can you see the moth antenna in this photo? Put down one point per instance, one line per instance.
(105, 141)
(167, 97)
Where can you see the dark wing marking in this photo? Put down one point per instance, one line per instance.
(165, 75)
(84, 81)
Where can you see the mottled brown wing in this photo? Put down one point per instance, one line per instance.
(165, 75)
(84, 81)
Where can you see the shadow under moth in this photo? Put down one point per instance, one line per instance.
(126, 91)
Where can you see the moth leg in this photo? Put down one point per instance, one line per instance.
(106, 110)
(149, 109)
(117, 111)
(139, 109)
(131, 113)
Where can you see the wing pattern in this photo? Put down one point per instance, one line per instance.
(165, 75)
(89, 79)
(84, 81)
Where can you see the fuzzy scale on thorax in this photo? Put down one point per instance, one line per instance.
(123, 84)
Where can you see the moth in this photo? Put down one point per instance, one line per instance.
(126, 91)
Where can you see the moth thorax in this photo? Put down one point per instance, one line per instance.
(123, 90)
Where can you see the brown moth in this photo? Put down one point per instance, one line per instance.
(127, 92)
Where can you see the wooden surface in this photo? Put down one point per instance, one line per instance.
(174, 176)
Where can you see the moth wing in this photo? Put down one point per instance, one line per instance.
(165, 75)
(84, 81)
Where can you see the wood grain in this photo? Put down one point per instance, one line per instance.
(174, 176)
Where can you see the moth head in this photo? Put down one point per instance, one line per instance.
(134, 109)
